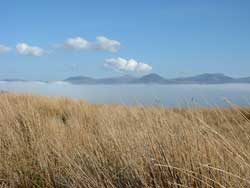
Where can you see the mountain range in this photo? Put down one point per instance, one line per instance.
(207, 78)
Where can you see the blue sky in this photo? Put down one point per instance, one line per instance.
(54, 39)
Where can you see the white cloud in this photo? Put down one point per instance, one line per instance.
(25, 49)
(122, 64)
(77, 43)
(4, 49)
(102, 43)
(106, 44)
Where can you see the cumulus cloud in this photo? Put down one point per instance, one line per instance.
(77, 43)
(131, 65)
(25, 49)
(106, 44)
(102, 43)
(4, 49)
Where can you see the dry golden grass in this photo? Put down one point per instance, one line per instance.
(57, 142)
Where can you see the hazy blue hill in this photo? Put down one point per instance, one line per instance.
(14, 80)
(151, 78)
(207, 78)
(117, 80)
(81, 80)
(243, 80)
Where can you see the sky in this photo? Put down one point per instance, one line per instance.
(55, 39)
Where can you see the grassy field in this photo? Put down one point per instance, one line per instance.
(57, 142)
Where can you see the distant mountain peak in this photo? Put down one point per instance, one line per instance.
(154, 78)
(151, 78)
(81, 80)
(207, 78)
(213, 74)
(152, 74)
(219, 75)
